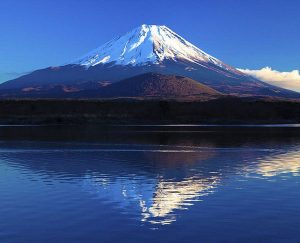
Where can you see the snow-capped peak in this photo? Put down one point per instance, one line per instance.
(147, 44)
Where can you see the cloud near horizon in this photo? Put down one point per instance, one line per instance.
(288, 80)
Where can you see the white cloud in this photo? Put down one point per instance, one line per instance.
(288, 80)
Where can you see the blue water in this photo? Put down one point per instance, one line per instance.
(179, 184)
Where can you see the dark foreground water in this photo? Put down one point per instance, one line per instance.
(149, 184)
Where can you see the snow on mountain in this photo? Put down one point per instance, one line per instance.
(146, 49)
(148, 44)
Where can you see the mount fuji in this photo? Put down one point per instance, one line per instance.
(148, 44)
(147, 49)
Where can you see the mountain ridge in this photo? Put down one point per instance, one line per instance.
(148, 43)
(145, 49)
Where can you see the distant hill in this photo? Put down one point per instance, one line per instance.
(153, 85)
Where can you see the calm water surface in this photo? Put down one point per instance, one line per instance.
(149, 184)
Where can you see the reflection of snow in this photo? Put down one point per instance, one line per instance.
(170, 196)
(155, 199)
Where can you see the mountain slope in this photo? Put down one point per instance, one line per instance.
(149, 44)
(154, 85)
(148, 48)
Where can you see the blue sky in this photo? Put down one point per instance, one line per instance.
(245, 34)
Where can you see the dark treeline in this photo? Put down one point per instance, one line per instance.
(138, 111)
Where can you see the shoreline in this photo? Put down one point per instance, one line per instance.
(224, 111)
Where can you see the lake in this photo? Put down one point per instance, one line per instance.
(150, 183)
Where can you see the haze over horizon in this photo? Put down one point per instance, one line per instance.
(250, 36)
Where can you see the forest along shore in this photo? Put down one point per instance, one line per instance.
(228, 110)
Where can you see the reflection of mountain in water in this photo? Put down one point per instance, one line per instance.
(153, 180)
(279, 164)
(155, 199)
(175, 195)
